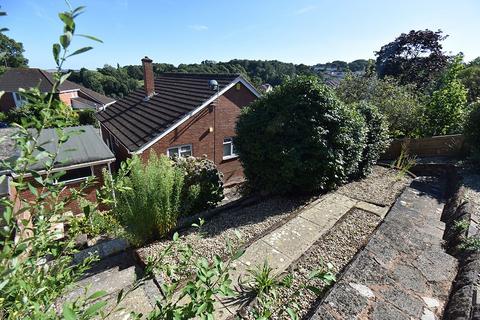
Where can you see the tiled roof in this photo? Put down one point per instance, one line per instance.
(15, 78)
(136, 121)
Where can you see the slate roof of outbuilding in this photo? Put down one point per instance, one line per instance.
(84, 146)
(136, 121)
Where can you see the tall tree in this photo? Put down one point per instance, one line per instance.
(446, 110)
(415, 57)
(13, 57)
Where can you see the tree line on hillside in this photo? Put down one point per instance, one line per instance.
(412, 59)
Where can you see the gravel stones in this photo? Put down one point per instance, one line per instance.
(381, 187)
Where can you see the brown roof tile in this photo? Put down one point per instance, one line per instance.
(135, 122)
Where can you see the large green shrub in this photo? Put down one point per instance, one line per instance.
(377, 137)
(203, 186)
(472, 130)
(400, 104)
(299, 138)
(148, 209)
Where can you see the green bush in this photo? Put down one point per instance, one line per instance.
(377, 137)
(149, 205)
(299, 138)
(400, 104)
(472, 130)
(87, 117)
(203, 186)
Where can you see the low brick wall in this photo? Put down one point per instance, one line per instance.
(439, 146)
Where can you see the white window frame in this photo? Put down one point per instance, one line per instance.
(18, 99)
(92, 174)
(232, 154)
(179, 147)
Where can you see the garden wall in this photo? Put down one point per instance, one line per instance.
(439, 146)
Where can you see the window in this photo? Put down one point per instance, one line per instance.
(180, 151)
(19, 99)
(229, 150)
(75, 175)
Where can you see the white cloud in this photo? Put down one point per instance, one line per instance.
(198, 27)
(305, 10)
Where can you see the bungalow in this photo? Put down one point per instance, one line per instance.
(180, 114)
(82, 156)
(72, 94)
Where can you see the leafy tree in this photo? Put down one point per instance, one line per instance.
(445, 112)
(358, 65)
(13, 57)
(415, 57)
(472, 130)
(400, 105)
(299, 138)
(470, 77)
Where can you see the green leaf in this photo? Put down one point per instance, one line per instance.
(292, 314)
(56, 53)
(65, 39)
(68, 313)
(64, 77)
(67, 19)
(238, 254)
(79, 51)
(97, 295)
(175, 236)
(90, 37)
(92, 310)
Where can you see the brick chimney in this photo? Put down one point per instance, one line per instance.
(148, 81)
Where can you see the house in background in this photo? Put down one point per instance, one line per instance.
(83, 155)
(180, 114)
(72, 94)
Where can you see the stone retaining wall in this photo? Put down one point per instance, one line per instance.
(464, 302)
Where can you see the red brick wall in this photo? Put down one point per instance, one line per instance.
(7, 102)
(196, 132)
(66, 97)
(89, 193)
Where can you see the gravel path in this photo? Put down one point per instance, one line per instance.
(381, 187)
(248, 223)
(338, 247)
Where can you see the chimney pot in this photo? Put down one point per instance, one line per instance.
(148, 80)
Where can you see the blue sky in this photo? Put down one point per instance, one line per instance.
(180, 31)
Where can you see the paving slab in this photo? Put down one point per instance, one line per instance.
(403, 272)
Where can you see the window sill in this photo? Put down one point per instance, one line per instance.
(234, 156)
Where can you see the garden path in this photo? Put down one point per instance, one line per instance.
(284, 245)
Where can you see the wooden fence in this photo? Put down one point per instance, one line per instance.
(439, 146)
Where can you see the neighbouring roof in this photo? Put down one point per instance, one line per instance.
(84, 146)
(14, 79)
(135, 121)
(89, 103)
